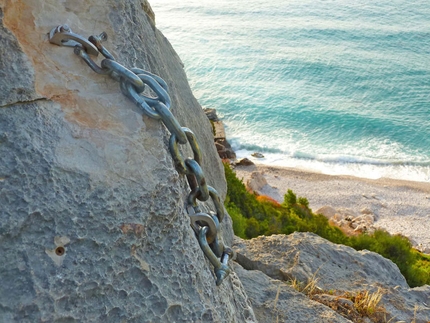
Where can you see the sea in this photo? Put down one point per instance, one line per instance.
(330, 86)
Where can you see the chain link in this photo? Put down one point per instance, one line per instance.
(133, 83)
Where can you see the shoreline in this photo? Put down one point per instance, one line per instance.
(398, 206)
(395, 205)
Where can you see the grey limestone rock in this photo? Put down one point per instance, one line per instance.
(306, 256)
(301, 255)
(93, 224)
(407, 304)
(275, 301)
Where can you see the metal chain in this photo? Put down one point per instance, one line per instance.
(133, 82)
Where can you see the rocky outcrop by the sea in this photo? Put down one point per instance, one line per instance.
(222, 145)
(93, 213)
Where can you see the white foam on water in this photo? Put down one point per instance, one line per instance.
(343, 165)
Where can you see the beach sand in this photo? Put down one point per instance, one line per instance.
(398, 206)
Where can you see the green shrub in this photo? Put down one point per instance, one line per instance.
(213, 127)
(303, 201)
(253, 228)
(239, 222)
(290, 199)
(394, 247)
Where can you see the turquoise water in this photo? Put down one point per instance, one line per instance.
(330, 86)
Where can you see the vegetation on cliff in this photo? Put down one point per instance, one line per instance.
(255, 215)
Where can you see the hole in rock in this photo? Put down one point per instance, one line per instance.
(60, 251)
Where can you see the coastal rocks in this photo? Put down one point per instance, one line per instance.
(92, 224)
(349, 221)
(223, 147)
(211, 114)
(257, 155)
(340, 269)
(244, 162)
(275, 301)
(257, 183)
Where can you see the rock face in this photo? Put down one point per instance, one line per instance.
(275, 301)
(306, 256)
(222, 145)
(93, 224)
(224, 148)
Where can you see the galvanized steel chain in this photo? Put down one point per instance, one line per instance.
(133, 83)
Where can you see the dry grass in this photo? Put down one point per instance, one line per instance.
(365, 304)
(276, 303)
(308, 289)
(358, 306)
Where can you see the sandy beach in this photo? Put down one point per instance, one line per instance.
(398, 206)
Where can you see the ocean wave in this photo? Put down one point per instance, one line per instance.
(331, 158)
(346, 165)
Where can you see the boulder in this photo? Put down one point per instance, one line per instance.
(407, 304)
(224, 149)
(93, 225)
(327, 211)
(244, 162)
(257, 155)
(256, 181)
(348, 220)
(302, 255)
(346, 214)
(222, 145)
